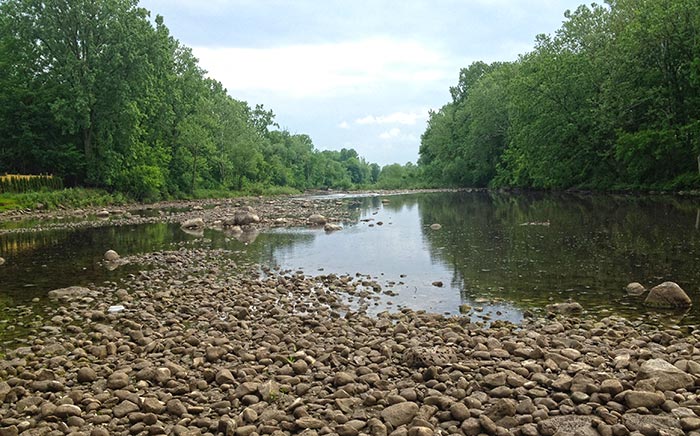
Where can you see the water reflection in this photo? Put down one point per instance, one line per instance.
(500, 252)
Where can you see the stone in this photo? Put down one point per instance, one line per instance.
(308, 422)
(224, 376)
(343, 378)
(86, 375)
(332, 227)
(70, 292)
(667, 377)
(193, 224)
(567, 425)
(124, 408)
(420, 431)
(668, 295)
(66, 410)
(635, 289)
(435, 226)
(244, 217)
(635, 399)
(118, 380)
(2, 261)
(152, 405)
(175, 407)
(111, 256)
(316, 220)
(501, 409)
(104, 213)
(400, 414)
(569, 308)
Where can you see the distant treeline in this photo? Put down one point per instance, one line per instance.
(610, 101)
(98, 94)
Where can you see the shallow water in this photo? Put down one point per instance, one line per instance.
(505, 253)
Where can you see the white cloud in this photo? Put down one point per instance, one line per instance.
(394, 118)
(344, 125)
(325, 70)
(389, 134)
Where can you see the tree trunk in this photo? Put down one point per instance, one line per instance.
(194, 172)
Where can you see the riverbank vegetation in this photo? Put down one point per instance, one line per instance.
(100, 95)
(610, 101)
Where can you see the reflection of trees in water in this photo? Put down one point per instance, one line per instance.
(592, 244)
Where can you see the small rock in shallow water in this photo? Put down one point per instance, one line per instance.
(111, 256)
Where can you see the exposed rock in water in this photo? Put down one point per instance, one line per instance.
(568, 308)
(668, 295)
(635, 289)
(242, 217)
(316, 220)
(70, 292)
(193, 224)
(111, 256)
(332, 227)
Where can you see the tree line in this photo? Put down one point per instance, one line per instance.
(98, 94)
(611, 100)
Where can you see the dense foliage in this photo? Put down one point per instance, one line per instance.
(611, 100)
(96, 93)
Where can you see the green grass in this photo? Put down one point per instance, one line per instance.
(68, 198)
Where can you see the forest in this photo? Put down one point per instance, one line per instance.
(98, 94)
(610, 101)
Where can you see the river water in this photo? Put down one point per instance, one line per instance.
(499, 253)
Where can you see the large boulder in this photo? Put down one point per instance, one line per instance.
(666, 376)
(667, 295)
(316, 220)
(193, 224)
(70, 292)
(242, 217)
(568, 308)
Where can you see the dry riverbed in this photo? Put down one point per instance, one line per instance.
(204, 346)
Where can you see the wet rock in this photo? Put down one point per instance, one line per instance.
(332, 227)
(668, 295)
(70, 292)
(569, 308)
(242, 217)
(635, 289)
(316, 220)
(400, 414)
(193, 224)
(665, 376)
(111, 256)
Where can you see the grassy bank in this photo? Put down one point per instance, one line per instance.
(82, 197)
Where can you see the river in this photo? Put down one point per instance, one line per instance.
(500, 254)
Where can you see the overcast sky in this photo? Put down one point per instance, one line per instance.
(354, 73)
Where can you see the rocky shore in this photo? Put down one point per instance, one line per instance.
(273, 211)
(196, 345)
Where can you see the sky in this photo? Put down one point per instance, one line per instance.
(359, 74)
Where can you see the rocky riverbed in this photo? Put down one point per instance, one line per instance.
(278, 211)
(195, 344)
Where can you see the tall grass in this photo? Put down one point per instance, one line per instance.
(18, 183)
